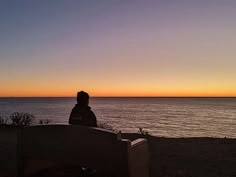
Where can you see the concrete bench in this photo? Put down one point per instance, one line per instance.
(45, 146)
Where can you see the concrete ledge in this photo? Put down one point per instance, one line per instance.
(47, 146)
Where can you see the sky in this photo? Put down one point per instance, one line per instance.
(117, 47)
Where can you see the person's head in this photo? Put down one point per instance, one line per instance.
(82, 98)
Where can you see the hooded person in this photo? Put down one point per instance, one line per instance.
(81, 114)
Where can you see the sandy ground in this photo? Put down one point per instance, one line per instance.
(169, 157)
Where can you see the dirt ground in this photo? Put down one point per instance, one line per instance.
(191, 157)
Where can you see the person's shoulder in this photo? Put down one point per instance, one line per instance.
(91, 113)
(74, 108)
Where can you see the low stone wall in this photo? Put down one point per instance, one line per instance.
(8, 142)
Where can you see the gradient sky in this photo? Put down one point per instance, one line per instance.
(118, 47)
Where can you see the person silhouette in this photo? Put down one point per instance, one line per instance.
(81, 114)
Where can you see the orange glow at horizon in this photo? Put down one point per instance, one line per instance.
(118, 93)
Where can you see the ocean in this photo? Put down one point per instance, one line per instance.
(165, 117)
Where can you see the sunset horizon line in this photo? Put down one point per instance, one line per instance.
(120, 96)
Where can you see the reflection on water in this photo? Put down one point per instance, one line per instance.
(169, 117)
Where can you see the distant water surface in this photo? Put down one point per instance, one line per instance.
(169, 117)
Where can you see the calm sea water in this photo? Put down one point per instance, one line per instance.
(169, 117)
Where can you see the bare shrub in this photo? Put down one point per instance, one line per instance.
(44, 121)
(3, 120)
(21, 119)
(143, 132)
(105, 126)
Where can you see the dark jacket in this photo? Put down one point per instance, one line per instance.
(82, 115)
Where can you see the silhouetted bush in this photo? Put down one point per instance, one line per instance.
(3, 120)
(143, 132)
(44, 121)
(21, 119)
(105, 126)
